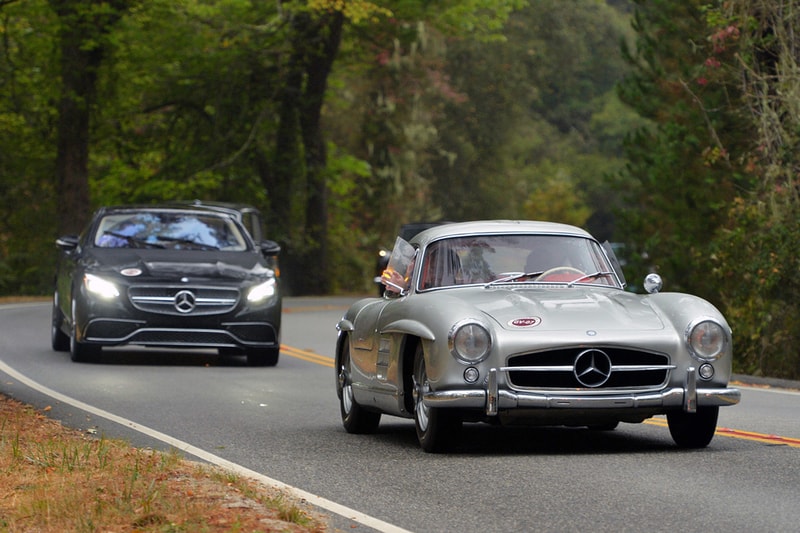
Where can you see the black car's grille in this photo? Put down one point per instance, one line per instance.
(183, 338)
(227, 334)
(589, 368)
(182, 300)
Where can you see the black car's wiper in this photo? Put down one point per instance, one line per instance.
(514, 276)
(190, 242)
(589, 276)
(134, 241)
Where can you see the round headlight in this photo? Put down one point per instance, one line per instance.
(705, 339)
(470, 342)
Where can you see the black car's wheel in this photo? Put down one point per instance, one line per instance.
(262, 356)
(58, 339)
(80, 351)
(437, 430)
(355, 418)
(693, 430)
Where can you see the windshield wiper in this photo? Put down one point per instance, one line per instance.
(190, 242)
(135, 242)
(513, 276)
(589, 276)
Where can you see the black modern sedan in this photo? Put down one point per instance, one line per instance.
(167, 276)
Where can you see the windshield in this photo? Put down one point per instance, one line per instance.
(166, 229)
(495, 259)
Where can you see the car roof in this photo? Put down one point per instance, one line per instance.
(492, 227)
(232, 208)
(164, 207)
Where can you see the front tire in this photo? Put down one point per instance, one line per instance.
(437, 430)
(355, 418)
(262, 356)
(80, 351)
(693, 430)
(58, 339)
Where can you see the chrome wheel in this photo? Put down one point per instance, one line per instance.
(437, 429)
(355, 418)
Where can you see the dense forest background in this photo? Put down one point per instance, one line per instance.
(671, 126)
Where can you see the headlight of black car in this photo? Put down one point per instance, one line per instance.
(262, 292)
(706, 339)
(100, 287)
(469, 341)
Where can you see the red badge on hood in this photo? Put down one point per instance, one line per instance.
(526, 322)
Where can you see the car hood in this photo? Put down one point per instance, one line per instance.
(167, 264)
(563, 309)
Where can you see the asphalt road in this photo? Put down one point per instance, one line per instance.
(283, 423)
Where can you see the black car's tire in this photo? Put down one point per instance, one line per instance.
(355, 418)
(58, 339)
(693, 430)
(80, 351)
(437, 429)
(262, 356)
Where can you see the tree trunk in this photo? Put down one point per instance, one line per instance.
(81, 56)
(319, 68)
(300, 155)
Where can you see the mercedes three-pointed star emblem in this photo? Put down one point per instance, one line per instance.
(592, 368)
(185, 302)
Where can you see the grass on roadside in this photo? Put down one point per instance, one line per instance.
(53, 478)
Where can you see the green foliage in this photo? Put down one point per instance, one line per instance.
(430, 101)
(711, 191)
(27, 147)
(680, 175)
(755, 269)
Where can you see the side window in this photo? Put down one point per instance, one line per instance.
(254, 224)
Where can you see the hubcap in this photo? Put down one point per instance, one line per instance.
(347, 390)
(420, 409)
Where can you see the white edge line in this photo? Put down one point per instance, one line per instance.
(313, 499)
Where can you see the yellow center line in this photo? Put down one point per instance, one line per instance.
(307, 355)
(741, 434)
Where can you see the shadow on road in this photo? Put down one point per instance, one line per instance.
(166, 357)
(483, 439)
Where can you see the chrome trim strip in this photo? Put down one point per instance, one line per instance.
(570, 368)
(668, 398)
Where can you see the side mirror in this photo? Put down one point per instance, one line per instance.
(653, 283)
(67, 243)
(269, 248)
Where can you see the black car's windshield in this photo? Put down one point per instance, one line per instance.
(169, 229)
(492, 260)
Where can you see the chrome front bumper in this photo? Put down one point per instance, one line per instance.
(492, 399)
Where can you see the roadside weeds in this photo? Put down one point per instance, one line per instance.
(53, 478)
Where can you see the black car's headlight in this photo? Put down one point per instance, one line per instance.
(262, 291)
(706, 339)
(100, 287)
(469, 341)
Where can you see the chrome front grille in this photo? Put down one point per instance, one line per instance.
(183, 300)
(582, 368)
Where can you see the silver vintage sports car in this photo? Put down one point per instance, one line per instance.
(513, 322)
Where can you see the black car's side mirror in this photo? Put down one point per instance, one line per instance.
(67, 243)
(269, 248)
